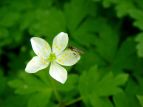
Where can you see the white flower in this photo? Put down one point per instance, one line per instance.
(57, 56)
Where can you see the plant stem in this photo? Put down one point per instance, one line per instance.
(74, 101)
(56, 92)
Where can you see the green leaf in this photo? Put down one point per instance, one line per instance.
(133, 8)
(40, 99)
(86, 29)
(78, 24)
(124, 7)
(103, 88)
(89, 58)
(106, 42)
(139, 46)
(140, 99)
(108, 3)
(13, 101)
(70, 84)
(38, 92)
(136, 84)
(126, 55)
(137, 15)
(68, 88)
(2, 82)
(100, 102)
(95, 82)
(125, 100)
(27, 84)
(10, 18)
(48, 22)
(75, 12)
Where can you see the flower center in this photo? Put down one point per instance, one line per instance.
(52, 57)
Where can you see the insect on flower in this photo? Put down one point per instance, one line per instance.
(57, 57)
(76, 50)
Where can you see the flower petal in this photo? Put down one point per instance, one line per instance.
(58, 72)
(36, 64)
(60, 43)
(40, 47)
(68, 58)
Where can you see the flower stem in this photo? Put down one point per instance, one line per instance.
(56, 92)
(74, 101)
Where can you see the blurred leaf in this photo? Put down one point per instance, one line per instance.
(124, 100)
(133, 8)
(70, 84)
(39, 93)
(2, 82)
(75, 12)
(137, 15)
(106, 42)
(48, 22)
(12, 101)
(136, 84)
(69, 88)
(27, 84)
(89, 59)
(4, 34)
(10, 18)
(124, 7)
(100, 102)
(86, 30)
(95, 83)
(139, 46)
(126, 55)
(140, 99)
(107, 3)
(40, 99)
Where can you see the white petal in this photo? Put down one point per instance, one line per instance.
(36, 64)
(68, 58)
(58, 72)
(60, 42)
(40, 47)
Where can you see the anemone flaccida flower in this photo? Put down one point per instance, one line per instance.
(57, 56)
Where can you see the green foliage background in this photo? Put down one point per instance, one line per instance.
(110, 72)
